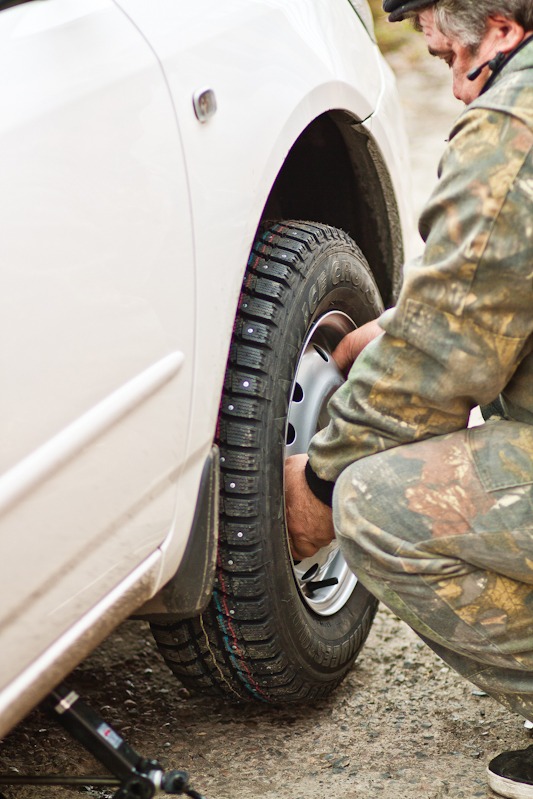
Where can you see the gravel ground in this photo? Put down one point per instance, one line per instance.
(401, 726)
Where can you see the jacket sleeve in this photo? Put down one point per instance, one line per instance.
(464, 316)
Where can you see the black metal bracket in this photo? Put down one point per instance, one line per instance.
(134, 776)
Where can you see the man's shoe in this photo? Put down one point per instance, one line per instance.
(511, 774)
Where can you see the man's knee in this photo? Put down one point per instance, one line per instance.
(388, 507)
(363, 514)
(372, 493)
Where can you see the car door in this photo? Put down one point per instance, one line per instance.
(96, 314)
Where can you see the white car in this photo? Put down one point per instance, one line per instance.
(182, 187)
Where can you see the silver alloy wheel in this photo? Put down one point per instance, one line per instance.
(325, 581)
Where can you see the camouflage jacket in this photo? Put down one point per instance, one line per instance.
(462, 330)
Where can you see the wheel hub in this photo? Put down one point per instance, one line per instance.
(324, 579)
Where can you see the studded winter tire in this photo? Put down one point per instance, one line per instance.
(276, 630)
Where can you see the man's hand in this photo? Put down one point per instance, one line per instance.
(354, 343)
(309, 521)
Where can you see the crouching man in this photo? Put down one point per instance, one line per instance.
(435, 519)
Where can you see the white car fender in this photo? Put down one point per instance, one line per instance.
(243, 145)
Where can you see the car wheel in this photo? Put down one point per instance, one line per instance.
(279, 630)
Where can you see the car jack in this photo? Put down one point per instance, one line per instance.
(134, 776)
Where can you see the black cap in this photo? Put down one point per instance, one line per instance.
(397, 9)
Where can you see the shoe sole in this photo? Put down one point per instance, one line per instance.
(509, 788)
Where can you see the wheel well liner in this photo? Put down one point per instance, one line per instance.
(335, 174)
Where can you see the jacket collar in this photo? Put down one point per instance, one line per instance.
(521, 58)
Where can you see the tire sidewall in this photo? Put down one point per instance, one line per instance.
(336, 279)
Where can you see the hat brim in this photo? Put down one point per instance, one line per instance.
(399, 10)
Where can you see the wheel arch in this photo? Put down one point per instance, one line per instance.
(335, 174)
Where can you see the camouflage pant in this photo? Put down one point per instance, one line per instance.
(442, 532)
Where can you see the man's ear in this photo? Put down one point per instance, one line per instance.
(505, 33)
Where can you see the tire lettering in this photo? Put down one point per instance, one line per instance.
(337, 273)
(342, 271)
(322, 285)
(305, 314)
(313, 298)
(318, 291)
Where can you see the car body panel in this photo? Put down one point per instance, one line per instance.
(97, 363)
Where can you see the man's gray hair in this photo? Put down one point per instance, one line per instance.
(466, 20)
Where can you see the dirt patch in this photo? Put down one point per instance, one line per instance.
(401, 726)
